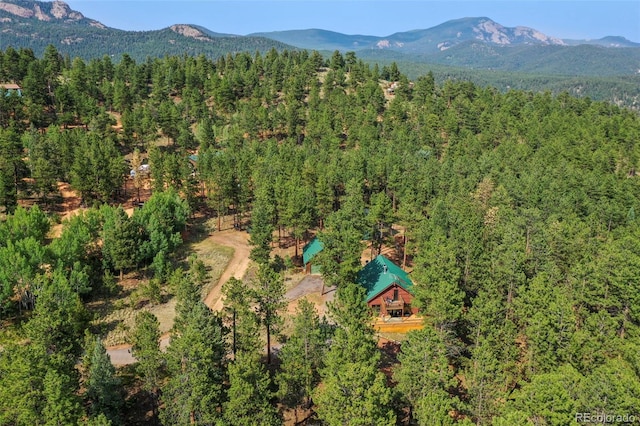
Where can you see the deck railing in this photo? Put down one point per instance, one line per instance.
(394, 304)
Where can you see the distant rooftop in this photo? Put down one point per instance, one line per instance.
(9, 86)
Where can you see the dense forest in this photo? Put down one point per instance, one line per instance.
(622, 90)
(518, 211)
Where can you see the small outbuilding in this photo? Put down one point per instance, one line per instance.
(10, 88)
(309, 251)
(389, 288)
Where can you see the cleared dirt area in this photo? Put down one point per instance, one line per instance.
(237, 266)
(118, 313)
(121, 319)
(310, 288)
(225, 255)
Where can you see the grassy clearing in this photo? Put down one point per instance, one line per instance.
(292, 278)
(215, 258)
(116, 314)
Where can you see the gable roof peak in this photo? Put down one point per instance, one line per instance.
(377, 275)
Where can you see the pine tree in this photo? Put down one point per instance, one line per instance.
(104, 389)
(301, 358)
(353, 390)
(12, 168)
(240, 316)
(195, 362)
(146, 349)
(136, 163)
(37, 387)
(380, 216)
(438, 293)
(249, 395)
(269, 295)
(59, 317)
(62, 406)
(121, 238)
(424, 377)
(261, 228)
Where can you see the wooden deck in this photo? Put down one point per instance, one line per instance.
(398, 325)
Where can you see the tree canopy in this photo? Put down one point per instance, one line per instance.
(517, 208)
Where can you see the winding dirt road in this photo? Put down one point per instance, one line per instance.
(237, 267)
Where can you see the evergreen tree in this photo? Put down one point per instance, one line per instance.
(163, 217)
(121, 238)
(379, 219)
(12, 168)
(551, 398)
(98, 168)
(340, 256)
(43, 163)
(146, 349)
(59, 318)
(35, 388)
(249, 395)
(261, 229)
(136, 163)
(301, 358)
(62, 406)
(195, 363)
(438, 294)
(104, 389)
(298, 213)
(242, 318)
(424, 377)
(353, 390)
(269, 296)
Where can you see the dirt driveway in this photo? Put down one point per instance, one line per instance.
(310, 287)
(237, 266)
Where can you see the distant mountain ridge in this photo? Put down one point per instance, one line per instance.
(44, 11)
(608, 41)
(36, 24)
(481, 43)
(438, 38)
(470, 43)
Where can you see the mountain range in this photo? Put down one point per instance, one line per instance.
(478, 43)
(478, 49)
(481, 43)
(436, 39)
(36, 24)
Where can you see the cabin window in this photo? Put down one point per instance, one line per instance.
(395, 294)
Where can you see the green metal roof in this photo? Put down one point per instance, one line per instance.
(312, 248)
(379, 274)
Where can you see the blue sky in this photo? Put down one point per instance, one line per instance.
(581, 19)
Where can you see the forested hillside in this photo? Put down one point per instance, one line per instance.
(477, 50)
(518, 211)
(37, 24)
(622, 90)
